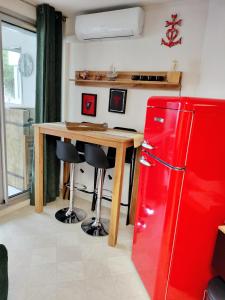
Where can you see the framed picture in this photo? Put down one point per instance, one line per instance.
(117, 100)
(89, 104)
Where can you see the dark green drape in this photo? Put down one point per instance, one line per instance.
(3, 273)
(48, 91)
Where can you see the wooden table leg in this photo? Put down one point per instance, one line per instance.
(39, 169)
(116, 195)
(133, 205)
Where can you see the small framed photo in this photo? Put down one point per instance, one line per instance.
(89, 104)
(117, 101)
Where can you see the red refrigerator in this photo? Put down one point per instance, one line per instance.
(181, 197)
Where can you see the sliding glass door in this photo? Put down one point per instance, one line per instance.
(18, 69)
(3, 194)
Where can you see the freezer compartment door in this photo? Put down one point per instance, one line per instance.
(167, 134)
(158, 197)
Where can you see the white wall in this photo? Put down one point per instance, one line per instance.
(145, 53)
(212, 82)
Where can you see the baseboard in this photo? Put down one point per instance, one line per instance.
(11, 207)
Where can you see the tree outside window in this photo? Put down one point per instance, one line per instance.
(12, 77)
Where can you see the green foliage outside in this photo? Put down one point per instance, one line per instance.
(8, 72)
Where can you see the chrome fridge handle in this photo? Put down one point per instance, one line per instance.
(147, 146)
(144, 162)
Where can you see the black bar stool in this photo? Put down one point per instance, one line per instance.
(97, 158)
(68, 153)
(216, 289)
(80, 187)
(129, 159)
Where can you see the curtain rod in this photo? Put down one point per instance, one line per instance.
(34, 5)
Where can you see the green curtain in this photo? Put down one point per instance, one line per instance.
(48, 91)
(3, 273)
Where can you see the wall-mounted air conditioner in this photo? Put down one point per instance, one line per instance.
(112, 24)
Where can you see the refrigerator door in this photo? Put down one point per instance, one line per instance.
(167, 134)
(158, 197)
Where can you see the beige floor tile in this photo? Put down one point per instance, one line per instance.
(42, 275)
(43, 240)
(41, 256)
(18, 259)
(68, 239)
(140, 297)
(71, 290)
(101, 289)
(96, 268)
(130, 286)
(68, 254)
(120, 265)
(17, 293)
(18, 277)
(44, 292)
(94, 251)
(70, 271)
(54, 261)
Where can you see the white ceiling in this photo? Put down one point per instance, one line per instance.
(69, 7)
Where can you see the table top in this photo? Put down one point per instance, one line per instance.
(110, 137)
(222, 228)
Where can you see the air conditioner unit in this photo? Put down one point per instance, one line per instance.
(112, 24)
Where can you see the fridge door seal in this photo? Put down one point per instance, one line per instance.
(183, 110)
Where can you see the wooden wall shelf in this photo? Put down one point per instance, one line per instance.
(172, 80)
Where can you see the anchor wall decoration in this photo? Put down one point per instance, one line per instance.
(172, 32)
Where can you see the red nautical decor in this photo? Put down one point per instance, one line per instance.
(172, 32)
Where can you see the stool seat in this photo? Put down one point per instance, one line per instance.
(216, 289)
(111, 162)
(81, 158)
(67, 152)
(96, 157)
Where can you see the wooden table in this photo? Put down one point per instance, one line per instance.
(222, 228)
(121, 143)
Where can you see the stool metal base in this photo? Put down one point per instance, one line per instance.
(89, 227)
(65, 216)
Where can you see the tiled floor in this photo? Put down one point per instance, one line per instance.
(49, 260)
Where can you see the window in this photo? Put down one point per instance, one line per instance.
(12, 77)
(19, 82)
